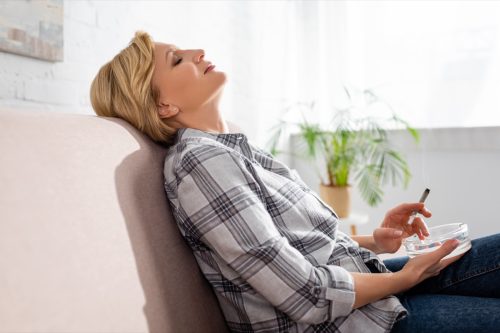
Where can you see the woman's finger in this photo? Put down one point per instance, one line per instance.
(412, 206)
(446, 248)
(419, 234)
(420, 225)
(415, 228)
(408, 228)
(425, 212)
(418, 207)
(445, 262)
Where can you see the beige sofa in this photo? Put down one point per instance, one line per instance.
(87, 239)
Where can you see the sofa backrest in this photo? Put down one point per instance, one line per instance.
(87, 239)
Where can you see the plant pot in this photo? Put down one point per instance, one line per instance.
(337, 197)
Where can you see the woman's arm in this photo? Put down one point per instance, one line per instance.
(370, 287)
(367, 242)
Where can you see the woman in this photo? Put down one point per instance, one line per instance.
(267, 244)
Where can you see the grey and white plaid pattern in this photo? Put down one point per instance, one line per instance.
(268, 245)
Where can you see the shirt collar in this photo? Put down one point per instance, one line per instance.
(232, 140)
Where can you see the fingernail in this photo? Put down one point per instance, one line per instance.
(398, 233)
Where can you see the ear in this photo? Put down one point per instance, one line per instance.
(167, 110)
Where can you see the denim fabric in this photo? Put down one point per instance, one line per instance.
(464, 297)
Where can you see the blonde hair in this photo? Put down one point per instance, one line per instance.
(122, 88)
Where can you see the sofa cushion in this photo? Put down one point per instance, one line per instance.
(87, 239)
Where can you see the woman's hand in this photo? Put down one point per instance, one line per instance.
(372, 287)
(429, 264)
(387, 240)
(395, 227)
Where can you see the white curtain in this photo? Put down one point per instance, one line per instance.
(295, 54)
(438, 61)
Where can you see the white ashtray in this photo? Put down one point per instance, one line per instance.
(437, 236)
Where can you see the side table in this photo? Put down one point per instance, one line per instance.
(354, 220)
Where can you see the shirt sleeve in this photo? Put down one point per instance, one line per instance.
(223, 206)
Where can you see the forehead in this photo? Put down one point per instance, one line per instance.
(164, 46)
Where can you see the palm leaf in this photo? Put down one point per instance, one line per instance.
(349, 146)
(369, 184)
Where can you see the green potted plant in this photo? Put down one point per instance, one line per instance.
(355, 150)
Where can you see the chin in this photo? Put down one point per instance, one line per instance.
(223, 77)
(223, 74)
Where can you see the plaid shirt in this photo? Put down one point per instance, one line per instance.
(267, 244)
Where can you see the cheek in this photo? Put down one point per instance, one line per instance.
(184, 81)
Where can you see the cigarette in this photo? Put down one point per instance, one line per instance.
(422, 199)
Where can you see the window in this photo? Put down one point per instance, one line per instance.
(436, 62)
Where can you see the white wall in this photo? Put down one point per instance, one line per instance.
(459, 165)
(263, 47)
(94, 31)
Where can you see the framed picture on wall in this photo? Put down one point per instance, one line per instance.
(32, 28)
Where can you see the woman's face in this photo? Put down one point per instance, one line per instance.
(180, 78)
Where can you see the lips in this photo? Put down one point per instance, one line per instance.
(209, 68)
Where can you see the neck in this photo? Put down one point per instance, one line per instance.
(207, 118)
(216, 124)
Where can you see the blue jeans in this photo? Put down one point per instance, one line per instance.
(464, 297)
